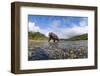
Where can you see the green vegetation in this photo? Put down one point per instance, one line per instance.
(36, 36)
(79, 37)
(40, 36)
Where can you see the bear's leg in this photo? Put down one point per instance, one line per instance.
(49, 39)
(53, 40)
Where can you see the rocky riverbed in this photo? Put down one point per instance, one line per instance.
(42, 50)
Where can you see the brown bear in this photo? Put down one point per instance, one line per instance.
(53, 36)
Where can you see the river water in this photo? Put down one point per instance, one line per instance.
(44, 50)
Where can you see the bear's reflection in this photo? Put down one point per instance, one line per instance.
(53, 45)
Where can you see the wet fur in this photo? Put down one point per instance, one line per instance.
(53, 36)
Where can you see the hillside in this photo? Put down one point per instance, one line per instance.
(79, 37)
(36, 36)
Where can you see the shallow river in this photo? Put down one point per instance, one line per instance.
(44, 50)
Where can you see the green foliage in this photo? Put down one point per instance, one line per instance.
(79, 37)
(36, 36)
